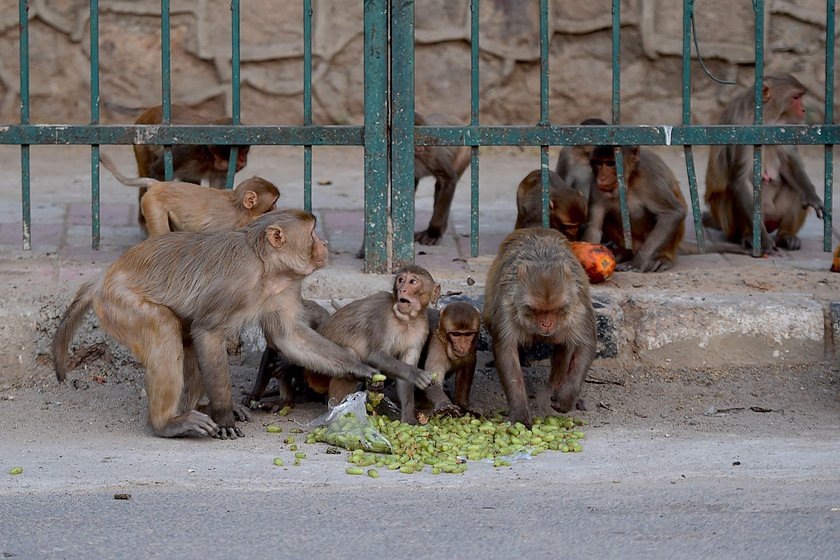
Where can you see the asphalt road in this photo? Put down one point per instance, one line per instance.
(630, 494)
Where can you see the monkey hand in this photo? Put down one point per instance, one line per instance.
(447, 409)
(815, 203)
(423, 379)
(363, 371)
(231, 432)
(638, 264)
(241, 412)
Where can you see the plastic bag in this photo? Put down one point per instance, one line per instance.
(347, 425)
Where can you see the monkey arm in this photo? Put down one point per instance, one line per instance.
(395, 369)
(741, 189)
(668, 217)
(594, 229)
(213, 366)
(506, 356)
(295, 340)
(793, 173)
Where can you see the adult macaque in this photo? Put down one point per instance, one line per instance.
(786, 192)
(172, 300)
(537, 291)
(190, 164)
(387, 330)
(446, 164)
(656, 206)
(573, 163)
(566, 207)
(176, 206)
(275, 365)
(450, 349)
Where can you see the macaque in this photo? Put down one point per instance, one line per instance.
(537, 291)
(786, 192)
(566, 207)
(446, 164)
(387, 330)
(657, 209)
(276, 366)
(172, 299)
(573, 163)
(190, 164)
(450, 349)
(175, 206)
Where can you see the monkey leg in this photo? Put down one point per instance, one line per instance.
(444, 193)
(791, 218)
(272, 366)
(441, 405)
(463, 386)
(215, 376)
(506, 356)
(569, 365)
(405, 391)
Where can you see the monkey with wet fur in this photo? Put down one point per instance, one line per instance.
(451, 349)
(566, 207)
(786, 193)
(387, 330)
(172, 300)
(176, 206)
(537, 291)
(655, 203)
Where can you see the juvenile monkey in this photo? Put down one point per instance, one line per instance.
(172, 300)
(573, 163)
(450, 349)
(566, 207)
(786, 192)
(176, 206)
(537, 291)
(387, 330)
(656, 205)
(190, 164)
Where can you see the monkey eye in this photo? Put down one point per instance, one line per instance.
(608, 163)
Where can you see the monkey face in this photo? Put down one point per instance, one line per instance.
(603, 169)
(460, 344)
(408, 288)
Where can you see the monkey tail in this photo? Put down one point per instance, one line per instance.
(109, 164)
(67, 327)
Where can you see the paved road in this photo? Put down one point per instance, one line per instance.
(644, 494)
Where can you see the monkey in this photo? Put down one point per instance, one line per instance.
(274, 365)
(573, 162)
(451, 348)
(446, 164)
(190, 164)
(177, 206)
(657, 209)
(537, 291)
(566, 207)
(173, 298)
(786, 192)
(387, 330)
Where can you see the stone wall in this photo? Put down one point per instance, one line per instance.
(272, 58)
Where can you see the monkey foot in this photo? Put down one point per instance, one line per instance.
(788, 241)
(447, 409)
(427, 237)
(241, 413)
(231, 432)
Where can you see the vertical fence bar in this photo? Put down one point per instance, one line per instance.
(307, 102)
(376, 135)
(402, 130)
(166, 84)
(688, 13)
(829, 119)
(616, 119)
(758, 5)
(234, 87)
(474, 96)
(94, 120)
(26, 218)
(544, 119)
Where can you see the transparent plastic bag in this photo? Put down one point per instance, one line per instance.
(347, 425)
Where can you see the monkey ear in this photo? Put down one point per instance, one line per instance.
(435, 294)
(551, 205)
(249, 200)
(765, 93)
(275, 236)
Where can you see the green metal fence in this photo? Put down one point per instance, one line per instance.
(389, 135)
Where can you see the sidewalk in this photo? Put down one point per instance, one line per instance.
(719, 308)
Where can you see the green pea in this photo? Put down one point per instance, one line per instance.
(16, 470)
(300, 455)
(278, 461)
(289, 439)
(378, 378)
(373, 473)
(285, 411)
(274, 428)
(354, 470)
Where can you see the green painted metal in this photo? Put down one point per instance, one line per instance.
(95, 221)
(166, 83)
(307, 102)
(376, 135)
(688, 13)
(402, 131)
(616, 118)
(829, 118)
(26, 196)
(235, 87)
(758, 6)
(544, 118)
(474, 109)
